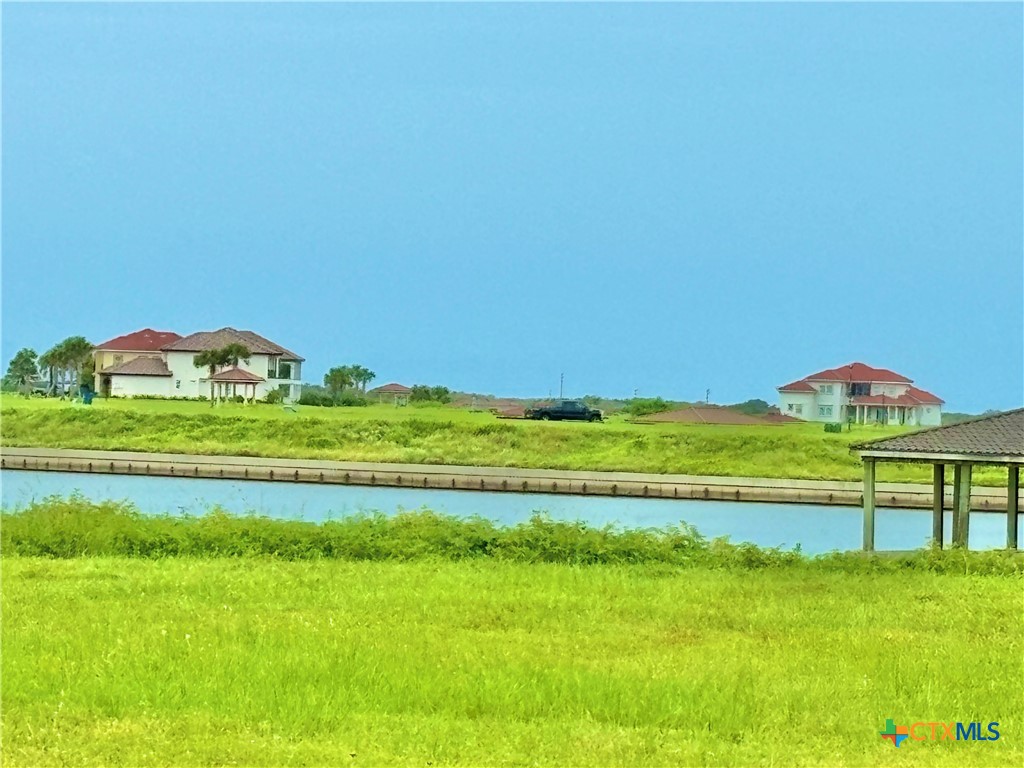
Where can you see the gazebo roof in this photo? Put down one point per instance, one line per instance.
(237, 375)
(388, 389)
(995, 439)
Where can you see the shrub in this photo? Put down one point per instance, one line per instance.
(350, 399)
(313, 397)
(274, 397)
(421, 393)
(643, 406)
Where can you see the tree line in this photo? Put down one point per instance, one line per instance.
(66, 365)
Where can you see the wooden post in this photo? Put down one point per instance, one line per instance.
(1012, 503)
(957, 472)
(869, 505)
(938, 499)
(962, 505)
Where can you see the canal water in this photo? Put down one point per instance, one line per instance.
(816, 529)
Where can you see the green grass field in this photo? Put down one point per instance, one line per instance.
(445, 435)
(256, 661)
(423, 640)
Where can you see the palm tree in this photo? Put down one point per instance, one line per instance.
(362, 376)
(211, 359)
(234, 352)
(337, 379)
(50, 362)
(77, 351)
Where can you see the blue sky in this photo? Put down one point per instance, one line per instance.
(661, 198)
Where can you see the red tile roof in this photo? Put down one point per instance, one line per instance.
(798, 386)
(924, 397)
(387, 389)
(858, 372)
(206, 340)
(138, 366)
(236, 374)
(146, 340)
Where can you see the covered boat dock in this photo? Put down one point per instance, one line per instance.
(992, 440)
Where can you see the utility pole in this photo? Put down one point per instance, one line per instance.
(707, 396)
(561, 384)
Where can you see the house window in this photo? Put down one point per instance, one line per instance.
(177, 384)
(857, 390)
(826, 389)
(284, 370)
(824, 410)
(118, 359)
(789, 407)
(799, 408)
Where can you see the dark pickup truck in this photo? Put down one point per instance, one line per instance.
(564, 410)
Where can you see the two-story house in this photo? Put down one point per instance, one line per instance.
(170, 371)
(861, 394)
(117, 354)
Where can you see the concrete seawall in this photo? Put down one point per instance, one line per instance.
(507, 479)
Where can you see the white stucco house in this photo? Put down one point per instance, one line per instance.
(168, 369)
(861, 394)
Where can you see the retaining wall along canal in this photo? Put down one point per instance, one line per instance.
(509, 479)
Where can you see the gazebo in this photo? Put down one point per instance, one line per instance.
(399, 392)
(228, 381)
(994, 440)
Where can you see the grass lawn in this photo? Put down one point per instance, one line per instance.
(445, 435)
(258, 661)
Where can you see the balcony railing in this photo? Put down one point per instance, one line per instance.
(285, 373)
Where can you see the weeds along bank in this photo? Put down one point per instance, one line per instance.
(449, 436)
(70, 527)
(452, 645)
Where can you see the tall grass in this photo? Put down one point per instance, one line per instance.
(449, 436)
(76, 527)
(262, 661)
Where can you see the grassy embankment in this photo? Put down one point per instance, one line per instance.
(423, 654)
(450, 436)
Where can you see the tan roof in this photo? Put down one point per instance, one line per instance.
(999, 435)
(206, 340)
(138, 366)
(236, 374)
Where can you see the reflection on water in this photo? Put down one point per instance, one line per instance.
(816, 529)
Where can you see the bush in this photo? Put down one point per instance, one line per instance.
(274, 397)
(643, 406)
(350, 399)
(421, 393)
(327, 400)
(313, 397)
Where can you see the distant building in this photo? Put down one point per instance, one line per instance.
(162, 364)
(123, 349)
(861, 394)
(397, 393)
